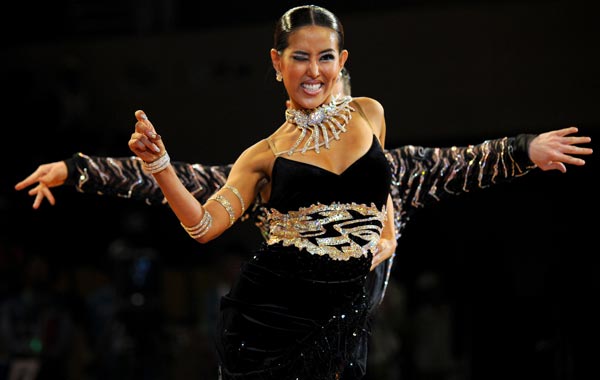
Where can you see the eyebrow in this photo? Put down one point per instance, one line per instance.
(320, 53)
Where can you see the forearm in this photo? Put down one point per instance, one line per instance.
(187, 208)
(121, 177)
(427, 175)
(124, 177)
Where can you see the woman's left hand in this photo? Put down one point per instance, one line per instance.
(552, 150)
(385, 250)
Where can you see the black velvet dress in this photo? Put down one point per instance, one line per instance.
(421, 176)
(301, 313)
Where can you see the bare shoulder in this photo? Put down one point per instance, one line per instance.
(255, 154)
(370, 106)
(374, 112)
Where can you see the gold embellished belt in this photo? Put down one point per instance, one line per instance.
(338, 230)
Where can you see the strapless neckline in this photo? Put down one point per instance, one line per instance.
(374, 144)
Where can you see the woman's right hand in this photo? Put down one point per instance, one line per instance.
(145, 142)
(48, 175)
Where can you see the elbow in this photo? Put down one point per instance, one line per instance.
(204, 239)
(207, 237)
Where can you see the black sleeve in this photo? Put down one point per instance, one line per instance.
(422, 176)
(124, 177)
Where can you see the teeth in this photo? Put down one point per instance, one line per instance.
(311, 87)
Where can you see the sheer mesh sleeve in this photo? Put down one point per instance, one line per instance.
(124, 177)
(422, 176)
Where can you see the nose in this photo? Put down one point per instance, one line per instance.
(313, 69)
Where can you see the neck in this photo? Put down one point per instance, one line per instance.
(299, 107)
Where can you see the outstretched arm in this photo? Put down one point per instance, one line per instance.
(122, 177)
(424, 176)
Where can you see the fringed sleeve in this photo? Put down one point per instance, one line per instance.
(422, 176)
(124, 177)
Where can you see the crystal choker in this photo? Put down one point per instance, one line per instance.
(332, 117)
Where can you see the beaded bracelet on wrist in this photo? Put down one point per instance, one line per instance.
(157, 165)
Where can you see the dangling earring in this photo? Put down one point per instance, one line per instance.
(278, 76)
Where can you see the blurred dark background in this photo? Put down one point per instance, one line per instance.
(499, 284)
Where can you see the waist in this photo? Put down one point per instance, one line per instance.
(338, 230)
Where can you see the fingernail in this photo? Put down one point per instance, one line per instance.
(144, 116)
(155, 148)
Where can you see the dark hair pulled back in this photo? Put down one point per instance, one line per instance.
(305, 15)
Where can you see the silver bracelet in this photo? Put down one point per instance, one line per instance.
(201, 228)
(226, 205)
(157, 165)
(235, 191)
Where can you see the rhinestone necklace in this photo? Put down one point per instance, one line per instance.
(331, 117)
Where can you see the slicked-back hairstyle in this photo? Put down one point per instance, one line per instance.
(305, 15)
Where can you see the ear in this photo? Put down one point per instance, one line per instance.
(275, 59)
(343, 57)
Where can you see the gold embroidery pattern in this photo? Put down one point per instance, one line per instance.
(311, 227)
